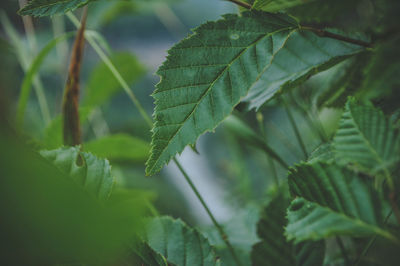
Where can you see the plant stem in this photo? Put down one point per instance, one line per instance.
(370, 242)
(260, 120)
(115, 72)
(216, 224)
(240, 3)
(295, 128)
(319, 32)
(343, 250)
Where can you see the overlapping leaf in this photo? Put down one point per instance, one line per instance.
(366, 139)
(209, 73)
(178, 243)
(87, 170)
(332, 201)
(40, 8)
(276, 5)
(274, 248)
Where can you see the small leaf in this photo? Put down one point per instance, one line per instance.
(206, 75)
(40, 8)
(120, 147)
(366, 139)
(178, 243)
(87, 170)
(102, 83)
(333, 201)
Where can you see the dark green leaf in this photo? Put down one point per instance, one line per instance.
(366, 139)
(178, 243)
(209, 73)
(332, 201)
(40, 8)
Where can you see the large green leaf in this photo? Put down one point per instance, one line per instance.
(276, 5)
(102, 83)
(119, 147)
(367, 139)
(178, 243)
(87, 170)
(274, 248)
(206, 75)
(332, 201)
(41, 8)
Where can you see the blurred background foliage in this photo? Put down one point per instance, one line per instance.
(233, 173)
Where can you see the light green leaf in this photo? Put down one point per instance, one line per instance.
(276, 5)
(102, 84)
(120, 147)
(206, 75)
(367, 139)
(332, 201)
(40, 8)
(178, 243)
(90, 172)
(274, 248)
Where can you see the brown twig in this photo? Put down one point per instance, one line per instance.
(72, 130)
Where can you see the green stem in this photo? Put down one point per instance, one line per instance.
(343, 250)
(217, 225)
(260, 120)
(295, 128)
(370, 242)
(114, 71)
(240, 3)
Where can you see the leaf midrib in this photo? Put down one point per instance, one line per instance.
(220, 75)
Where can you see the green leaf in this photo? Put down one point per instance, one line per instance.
(178, 243)
(366, 139)
(31, 73)
(332, 201)
(87, 170)
(102, 84)
(276, 5)
(274, 248)
(144, 255)
(40, 8)
(119, 147)
(206, 75)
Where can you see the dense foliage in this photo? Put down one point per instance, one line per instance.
(331, 67)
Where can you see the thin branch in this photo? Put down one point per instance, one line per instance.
(327, 34)
(240, 3)
(295, 128)
(319, 32)
(216, 224)
(343, 250)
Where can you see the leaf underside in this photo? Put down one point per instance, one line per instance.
(40, 8)
(178, 243)
(206, 75)
(87, 170)
(367, 139)
(331, 201)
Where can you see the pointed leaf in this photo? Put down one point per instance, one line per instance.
(40, 8)
(87, 170)
(333, 201)
(367, 139)
(178, 243)
(275, 249)
(206, 75)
